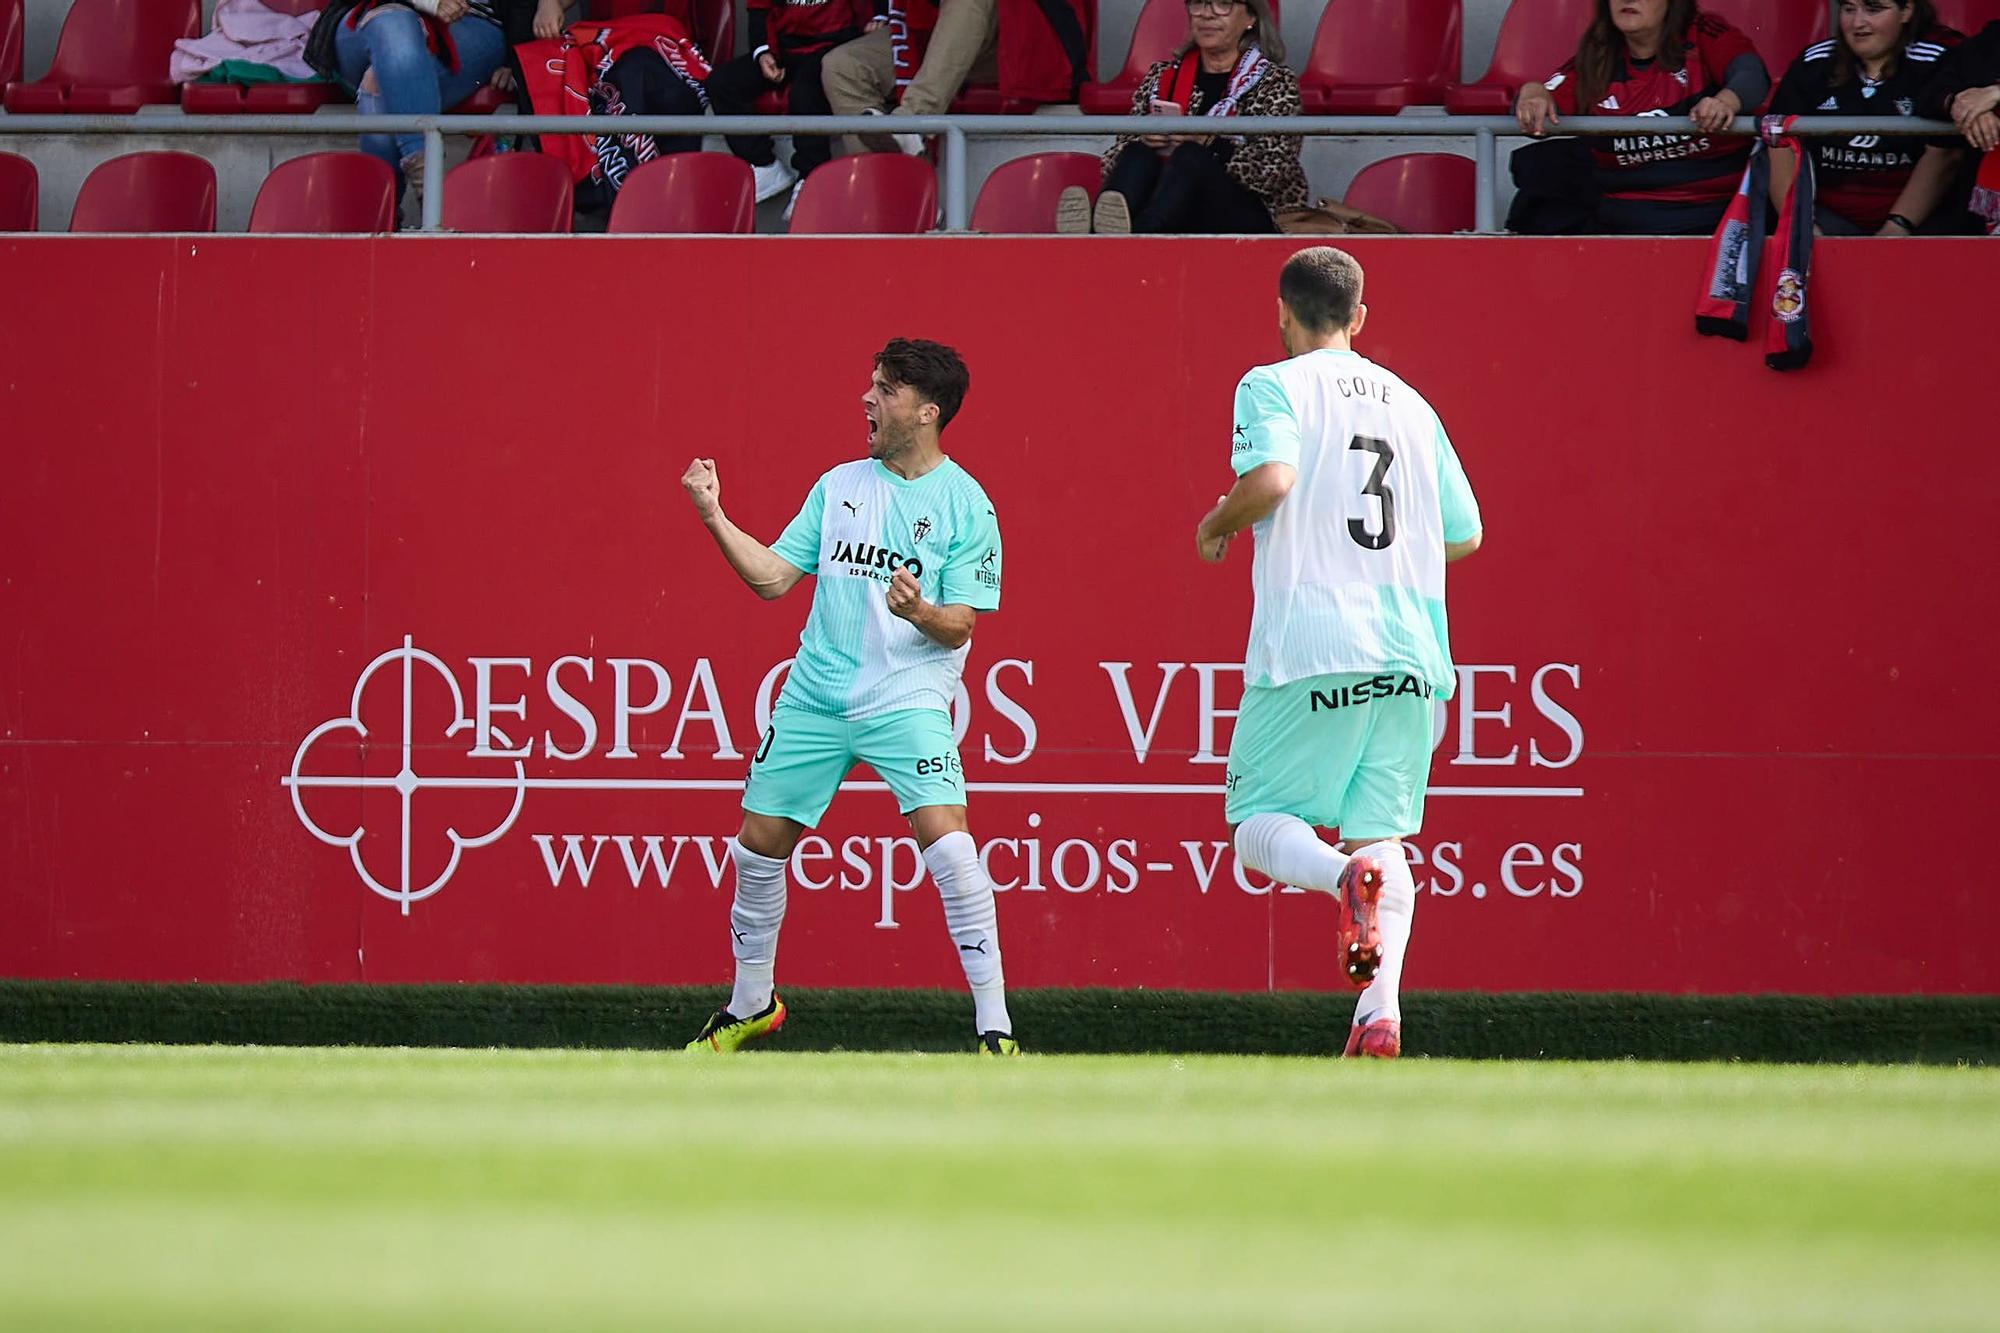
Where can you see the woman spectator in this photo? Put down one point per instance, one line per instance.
(1871, 185)
(1665, 58)
(420, 57)
(1232, 65)
(1966, 92)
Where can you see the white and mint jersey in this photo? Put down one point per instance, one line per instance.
(1349, 572)
(859, 525)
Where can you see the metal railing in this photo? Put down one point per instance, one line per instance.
(955, 131)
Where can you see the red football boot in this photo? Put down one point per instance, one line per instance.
(1359, 941)
(1381, 1039)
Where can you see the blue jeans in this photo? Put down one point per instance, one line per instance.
(409, 80)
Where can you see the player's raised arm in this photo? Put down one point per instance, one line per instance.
(769, 574)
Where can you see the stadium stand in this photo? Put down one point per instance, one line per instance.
(686, 193)
(1419, 192)
(1020, 196)
(1968, 16)
(1375, 57)
(509, 192)
(1161, 26)
(110, 59)
(1780, 29)
(872, 194)
(327, 192)
(1535, 37)
(13, 29)
(987, 99)
(263, 99)
(20, 191)
(713, 22)
(147, 192)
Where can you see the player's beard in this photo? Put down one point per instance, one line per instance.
(888, 442)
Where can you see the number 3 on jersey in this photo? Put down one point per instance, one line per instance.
(1375, 486)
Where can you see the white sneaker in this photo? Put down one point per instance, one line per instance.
(911, 144)
(773, 179)
(793, 202)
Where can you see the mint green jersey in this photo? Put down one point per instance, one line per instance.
(1349, 570)
(859, 525)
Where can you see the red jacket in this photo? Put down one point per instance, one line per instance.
(803, 27)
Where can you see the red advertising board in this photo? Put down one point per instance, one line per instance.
(353, 625)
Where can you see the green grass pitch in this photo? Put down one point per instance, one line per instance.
(256, 1188)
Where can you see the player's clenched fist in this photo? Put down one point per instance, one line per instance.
(904, 594)
(703, 488)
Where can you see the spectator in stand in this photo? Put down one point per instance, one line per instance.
(1657, 57)
(1231, 65)
(919, 60)
(788, 41)
(1871, 185)
(420, 57)
(1966, 92)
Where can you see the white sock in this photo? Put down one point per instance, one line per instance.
(1286, 848)
(974, 924)
(754, 918)
(1393, 914)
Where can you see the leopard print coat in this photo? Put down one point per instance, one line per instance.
(1267, 165)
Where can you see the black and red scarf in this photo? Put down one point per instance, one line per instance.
(1733, 256)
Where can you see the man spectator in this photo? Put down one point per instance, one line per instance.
(788, 41)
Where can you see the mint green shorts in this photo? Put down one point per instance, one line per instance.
(1349, 752)
(803, 758)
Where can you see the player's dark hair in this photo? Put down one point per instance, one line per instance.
(1603, 46)
(1923, 17)
(1321, 287)
(937, 373)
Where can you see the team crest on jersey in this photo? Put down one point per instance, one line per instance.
(922, 529)
(1831, 104)
(1905, 107)
(1789, 300)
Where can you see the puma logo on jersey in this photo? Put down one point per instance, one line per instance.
(851, 507)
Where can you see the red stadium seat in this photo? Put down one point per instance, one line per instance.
(1780, 29)
(20, 188)
(483, 101)
(1375, 57)
(263, 99)
(110, 59)
(1535, 38)
(687, 194)
(1419, 192)
(987, 99)
(509, 192)
(327, 192)
(13, 22)
(871, 194)
(1967, 16)
(1020, 196)
(1161, 29)
(147, 192)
